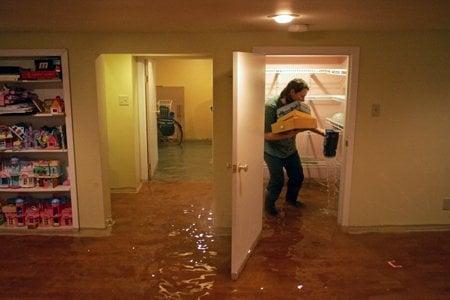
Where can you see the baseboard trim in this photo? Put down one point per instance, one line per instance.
(126, 190)
(395, 228)
(95, 232)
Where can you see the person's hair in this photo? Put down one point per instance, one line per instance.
(297, 85)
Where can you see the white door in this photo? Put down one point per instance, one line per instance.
(152, 132)
(247, 163)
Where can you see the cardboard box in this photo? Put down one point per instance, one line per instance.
(294, 120)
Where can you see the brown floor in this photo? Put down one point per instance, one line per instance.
(163, 246)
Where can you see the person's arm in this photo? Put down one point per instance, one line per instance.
(318, 131)
(270, 136)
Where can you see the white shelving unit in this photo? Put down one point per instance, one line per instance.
(36, 151)
(297, 70)
(59, 188)
(340, 98)
(43, 88)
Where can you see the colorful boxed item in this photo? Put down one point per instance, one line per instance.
(10, 213)
(56, 212)
(33, 217)
(66, 217)
(15, 173)
(15, 212)
(57, 106)
(22, 136)
(294, 120)
(53, 212)
(6, 138)
(38, 75)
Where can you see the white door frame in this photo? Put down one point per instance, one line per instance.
(350, 115)
(142, 117)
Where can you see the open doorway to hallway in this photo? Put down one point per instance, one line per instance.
(184, 89)
(134, 90)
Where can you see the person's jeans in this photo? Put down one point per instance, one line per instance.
(294, 171)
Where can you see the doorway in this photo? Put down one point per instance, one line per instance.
(351, 63)
(179, 117)
(327, 79)
(251, 67)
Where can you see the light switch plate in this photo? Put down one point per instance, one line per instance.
(446, 205)
(376, 110)
(124, 100)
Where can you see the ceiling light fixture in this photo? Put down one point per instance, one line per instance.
(283, 18)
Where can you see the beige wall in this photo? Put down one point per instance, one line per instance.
(401, 162)
(123, 138)
(195, 75)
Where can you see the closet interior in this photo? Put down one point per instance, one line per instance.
(327, 78)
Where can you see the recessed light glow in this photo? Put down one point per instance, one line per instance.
(283, 18)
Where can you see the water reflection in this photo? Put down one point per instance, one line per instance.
(193, 260)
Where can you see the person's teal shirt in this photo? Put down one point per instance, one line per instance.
(280, 148)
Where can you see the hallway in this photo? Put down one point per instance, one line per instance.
(163, 246)
(192, 162)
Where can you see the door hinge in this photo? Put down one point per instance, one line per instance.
(233, 167)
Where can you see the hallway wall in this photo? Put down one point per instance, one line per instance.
(195, 75)
(401, 165)
(121, 122)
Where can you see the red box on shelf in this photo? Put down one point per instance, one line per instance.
(38, 75)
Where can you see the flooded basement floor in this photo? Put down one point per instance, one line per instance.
(163, 246)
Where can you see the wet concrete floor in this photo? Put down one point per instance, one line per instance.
(191, 161)
(163, 246)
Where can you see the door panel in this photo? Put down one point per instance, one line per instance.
(152, 118)
(247, 163)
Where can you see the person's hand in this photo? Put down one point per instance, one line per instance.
(318, 131)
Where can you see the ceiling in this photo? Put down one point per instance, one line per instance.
(220, 15)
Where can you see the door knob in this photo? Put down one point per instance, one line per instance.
(242, 167)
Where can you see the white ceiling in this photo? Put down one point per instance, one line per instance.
(220, 15)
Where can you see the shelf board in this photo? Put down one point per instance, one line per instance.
(294, 70)
(48, 115)
(35, 151)
(59, 188)
(38, 115)
(32, 81)
(340, 98)
(39, 230)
